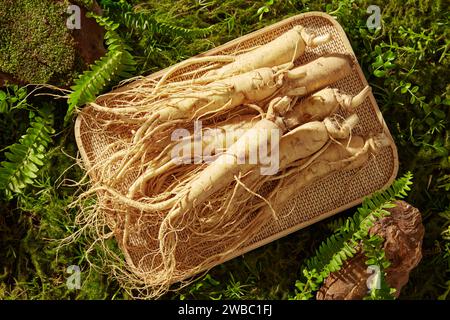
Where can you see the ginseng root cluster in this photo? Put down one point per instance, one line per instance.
(177, 212)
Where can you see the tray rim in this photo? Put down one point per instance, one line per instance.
(356, 66)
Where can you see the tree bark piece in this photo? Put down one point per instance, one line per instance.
(403, 232)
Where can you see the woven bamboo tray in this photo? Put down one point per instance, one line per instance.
(322, 199)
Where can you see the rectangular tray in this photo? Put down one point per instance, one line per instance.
(324, 198)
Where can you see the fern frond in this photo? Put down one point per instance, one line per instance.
(350, 236)
(24, 159)
(117, 63)
(142, 21)
(344, 243)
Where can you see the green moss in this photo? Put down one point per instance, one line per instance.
(35, 44)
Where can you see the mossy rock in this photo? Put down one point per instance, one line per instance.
(37, 47)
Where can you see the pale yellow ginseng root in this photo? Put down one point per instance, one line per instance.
(343, 154)
(253, 87)
(322, 104)
(317, 74)
(283, 49)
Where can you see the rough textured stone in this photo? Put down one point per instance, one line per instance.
(403, 233)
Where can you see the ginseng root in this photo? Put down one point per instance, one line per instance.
(343, 154)
(284, 49)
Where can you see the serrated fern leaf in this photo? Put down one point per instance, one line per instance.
(343, 244)
(117, 63)
(351, 236)
(24, 159)
(142, 21)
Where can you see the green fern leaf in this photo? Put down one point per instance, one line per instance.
(142, 21)
(24, 159)
(345, 242)
(117, 63)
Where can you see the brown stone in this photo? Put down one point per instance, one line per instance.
(403, 233)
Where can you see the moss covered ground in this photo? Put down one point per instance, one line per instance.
(406, 63)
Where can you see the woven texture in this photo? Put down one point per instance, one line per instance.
(319, 200)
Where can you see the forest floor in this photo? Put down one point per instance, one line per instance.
(406, 63)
